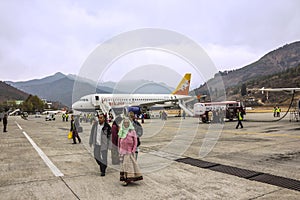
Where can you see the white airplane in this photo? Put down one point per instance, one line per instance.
(107, 102)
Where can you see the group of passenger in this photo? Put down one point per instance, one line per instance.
(276, 111)
(86, 118)
(218, 116)
(214, 116)
(122, 138)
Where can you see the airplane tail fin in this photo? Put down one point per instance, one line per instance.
(184, 85)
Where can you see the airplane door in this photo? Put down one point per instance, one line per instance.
(95, 100)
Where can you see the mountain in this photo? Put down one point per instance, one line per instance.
(276, 61)
(59, 87)
(8, 92)
(48, 79)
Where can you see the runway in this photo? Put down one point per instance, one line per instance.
(179, 158)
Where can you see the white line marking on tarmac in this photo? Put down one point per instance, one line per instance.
(45, 158)
(19, 126)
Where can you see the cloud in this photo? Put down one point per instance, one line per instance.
(40, 38)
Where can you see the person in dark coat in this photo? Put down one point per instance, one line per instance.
(74, 129)
(138, 129)
(114, 140)
(4, 123)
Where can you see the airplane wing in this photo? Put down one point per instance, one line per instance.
(291, 90)
(170, 101)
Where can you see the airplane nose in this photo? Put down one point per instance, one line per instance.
(76, 105)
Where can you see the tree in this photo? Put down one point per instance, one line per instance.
(32, 103)
(243, 89)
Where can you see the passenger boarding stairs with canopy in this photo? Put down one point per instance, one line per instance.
(103, 107)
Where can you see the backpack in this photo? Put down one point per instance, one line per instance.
(138, 128)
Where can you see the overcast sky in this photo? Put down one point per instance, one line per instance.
(39, 38)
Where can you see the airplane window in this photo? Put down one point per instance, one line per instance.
(97, 98)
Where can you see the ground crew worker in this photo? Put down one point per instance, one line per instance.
(63, 117)
(278, 111)
(240, 119)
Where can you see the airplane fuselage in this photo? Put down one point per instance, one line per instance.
(89, 102)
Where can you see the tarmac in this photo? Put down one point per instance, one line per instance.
(179, 158)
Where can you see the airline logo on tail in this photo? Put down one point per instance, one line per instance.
(184, 85)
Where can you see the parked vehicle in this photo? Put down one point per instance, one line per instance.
(50, 117)
(227, 109)
(24, 115)
(37, 115)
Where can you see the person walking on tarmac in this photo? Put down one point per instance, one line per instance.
(138, 129)
(115, 159)
(274, 111)
(240, 119)
(278, 111)
(67, 117)
(129, 169)
(100, 139)
(4, 122)
(74, 129)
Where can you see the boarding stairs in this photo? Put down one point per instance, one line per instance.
(105, 108)
(186, 107)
